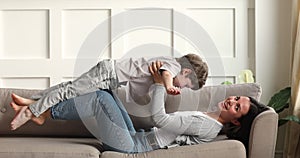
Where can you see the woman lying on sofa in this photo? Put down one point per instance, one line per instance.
(107, 119)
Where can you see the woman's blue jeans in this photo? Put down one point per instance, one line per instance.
(106, 118)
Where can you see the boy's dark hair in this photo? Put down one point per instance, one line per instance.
(198, 66)
(242, 132)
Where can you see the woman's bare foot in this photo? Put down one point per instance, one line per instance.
(23, 113)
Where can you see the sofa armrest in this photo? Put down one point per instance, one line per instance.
(263, 135)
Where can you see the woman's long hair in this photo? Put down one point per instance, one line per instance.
(242, 132)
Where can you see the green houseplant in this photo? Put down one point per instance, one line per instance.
(280, 101)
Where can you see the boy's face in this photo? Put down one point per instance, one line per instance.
(182, 80)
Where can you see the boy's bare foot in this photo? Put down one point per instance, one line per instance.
(20, 100)
(23, 114)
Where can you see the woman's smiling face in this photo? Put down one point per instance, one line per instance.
(233, 108)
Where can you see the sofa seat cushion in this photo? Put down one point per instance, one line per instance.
(217, 149)
(25, 147)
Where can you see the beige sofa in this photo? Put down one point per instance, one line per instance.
(63, 139)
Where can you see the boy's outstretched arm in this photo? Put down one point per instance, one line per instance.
(168, 82)
(166, 77)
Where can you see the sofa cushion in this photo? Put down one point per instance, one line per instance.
(218, 149)
(49, 147)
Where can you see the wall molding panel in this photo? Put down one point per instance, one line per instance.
(29, 29)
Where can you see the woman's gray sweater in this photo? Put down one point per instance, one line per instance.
(181, 128)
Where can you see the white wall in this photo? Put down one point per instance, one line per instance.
(273, 45)
(49, 35)
(273, 50)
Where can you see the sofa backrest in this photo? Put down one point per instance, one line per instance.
(202, 100)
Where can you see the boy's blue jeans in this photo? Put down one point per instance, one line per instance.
(106, 118)
(101, 76)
